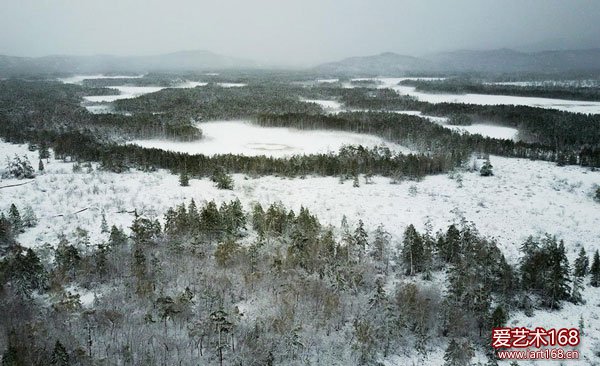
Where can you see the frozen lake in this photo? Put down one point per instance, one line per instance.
(125, 93)
(486, 99)
(498, 132)
(329, 106)
(78, 79)
(239, 137)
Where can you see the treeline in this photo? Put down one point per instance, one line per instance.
(212, 102)
(216, 284)
(348, 162)
(53, 106)
(422, 135)
(574, 136)
(464, 86)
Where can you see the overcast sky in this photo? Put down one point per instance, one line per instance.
(293, 32)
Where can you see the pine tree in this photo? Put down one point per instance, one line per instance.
(117, 237)
(581, 265)
(6, 231)
(545, 268)
(184, 179)
(15, 219)
(486, 169)
(101, 260)
(67, 258)
(41, 165)
(258, 220)
(60, 357)
(193, 216)
(412, 251)
(380, 250)
(576, 296)
(28, 217)
(103, 224)
(210, 219)
(44, 153)
(559, 275)
(360, 239)
(449, 245)
(595, 270)
(498, 317)
(458, 353)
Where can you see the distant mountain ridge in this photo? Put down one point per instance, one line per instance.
(489, 61)
(388, 63)
(176, 61)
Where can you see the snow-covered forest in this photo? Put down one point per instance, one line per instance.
(291, 218)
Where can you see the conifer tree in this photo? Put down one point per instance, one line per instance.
(486, 169)
(449, 245)
(581, 265)
(15, 219)
(184, 179)
(41, 166)
(595, 270)
(60, 357)
(381, 244)
(103, 224)
(360, 239)
(6, 231)
(117, 237)
(412, 251)
(458, 353)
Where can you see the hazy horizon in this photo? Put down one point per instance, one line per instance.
(294, 33)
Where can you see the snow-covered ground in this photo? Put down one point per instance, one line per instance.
(125, 92)
(524, 197)
(562, 83)
(78, 79)
(498, 132)
(329, 106)
(486, 130)
(239, 137)
(231, 85)
(485, 99)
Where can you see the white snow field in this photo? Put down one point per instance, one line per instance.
(78, 79)
(485, 130)
(125, 92)
(231, 85)
(239, 137)
(485, 99)
(329, 106)
(498, 132)
(524, 197)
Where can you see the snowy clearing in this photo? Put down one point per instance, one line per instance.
(497, 132)
(240, 137)
(78, 79)
(523, 198)
(329, 106)
(126, 92)
(485, 99)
